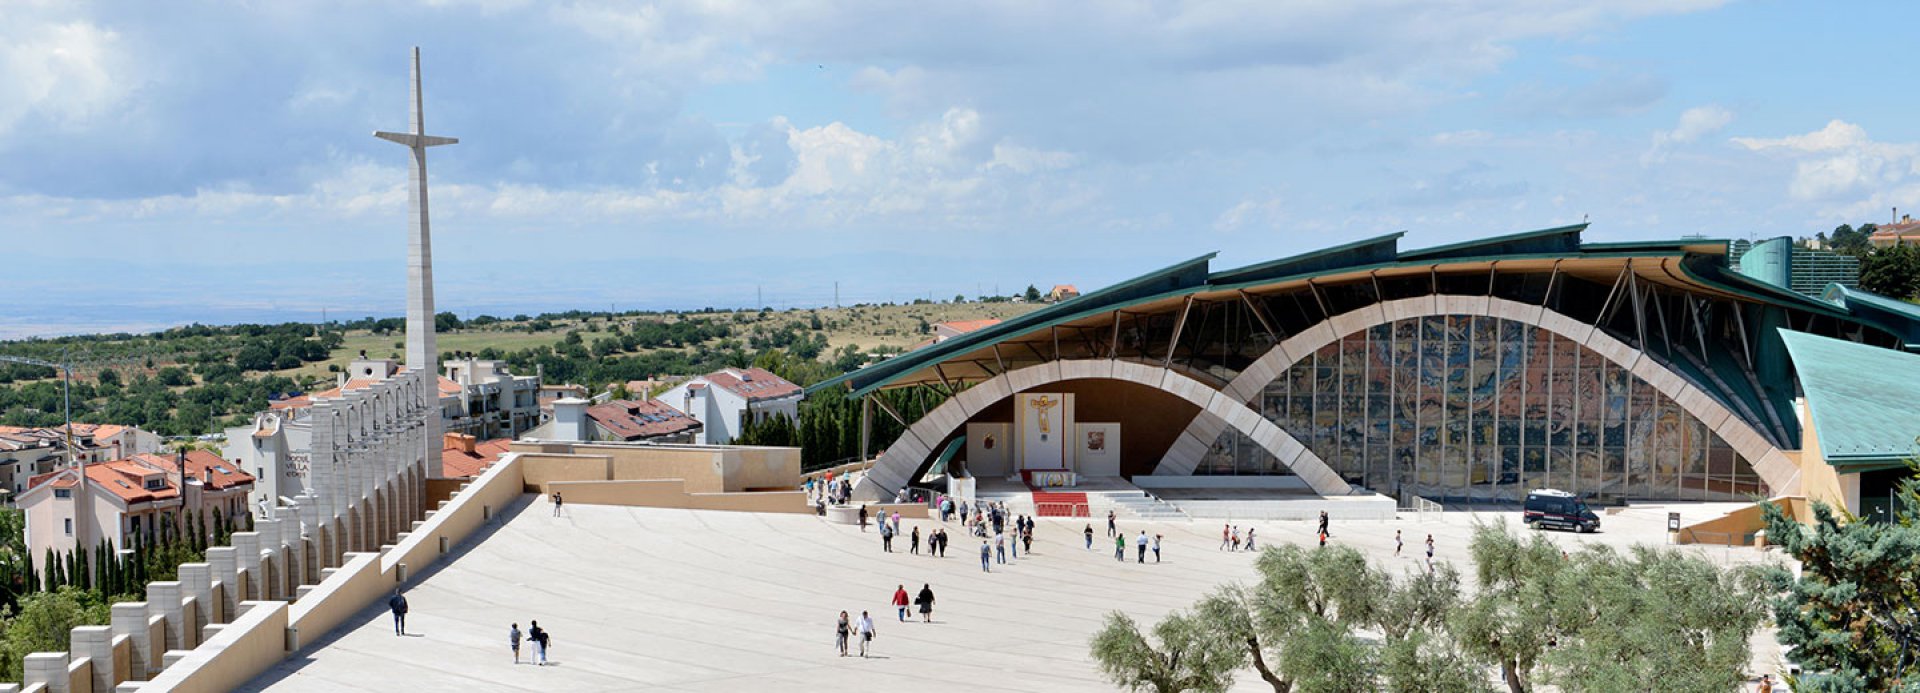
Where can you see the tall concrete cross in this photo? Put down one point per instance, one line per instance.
(422, 353)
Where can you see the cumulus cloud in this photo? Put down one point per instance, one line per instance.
(65, 72)
(1695, 123)
(1840, 163)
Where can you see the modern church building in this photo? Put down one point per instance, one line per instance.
(1467, 372)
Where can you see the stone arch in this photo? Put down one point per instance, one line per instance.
(892, 471)
(1779, 472)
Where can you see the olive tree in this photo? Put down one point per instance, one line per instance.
(1190, 656)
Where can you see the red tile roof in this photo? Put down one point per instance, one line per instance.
(1904, 228)
(126, 478)
(753, 384)
(456, 462)
(627, 419)
(964, 326)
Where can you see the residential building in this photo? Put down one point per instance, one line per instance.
(1903, 232)
(492, 402)
(620, 420)
(725, 400)
(465, 457)
(943, 331)
(1062, 292)
(116, 500)
(548, 394)
(27, 452)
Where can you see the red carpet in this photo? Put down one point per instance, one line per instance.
(1055, 504)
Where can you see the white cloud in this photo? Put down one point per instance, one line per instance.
(1839, 163)
(65, 71)
(1251, 213)
(1695, 123)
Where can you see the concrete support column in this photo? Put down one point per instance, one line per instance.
(96, 643)
(226, 571)
(273, 560)
(163, 600)
(196, 580)
(48, 669)
(246, 548)
(130, 619)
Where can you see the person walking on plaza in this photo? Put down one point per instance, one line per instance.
(1224, 531)
(896, 522)
(1429, 553)
(1026, 537)
(1111, 529)
(1323, 523)
(1142, 541)
(555, 497)
(1120, 548)
(1249, 538)
(840, 633)
(399, 606)
(1000, 548)
(1397, 542)
(540, 640)
(1156, 548)
(1236, 539)
(513, 641)
(1016, 542)
(886, 536)
(913, 542)
(900, 602)
(866, 632)
(1089, 536)
(925, 601)
(986, 557)
(863, 518)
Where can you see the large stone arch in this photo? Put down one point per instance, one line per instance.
(892, 471)
(1780, 473)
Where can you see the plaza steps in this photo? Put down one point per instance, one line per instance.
(1144, 506)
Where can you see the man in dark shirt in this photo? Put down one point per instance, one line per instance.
(399, 606)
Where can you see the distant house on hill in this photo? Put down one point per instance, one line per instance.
(119, 499)
(1062, 292)
(943, 331)
(1903, 232)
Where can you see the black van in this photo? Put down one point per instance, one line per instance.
(1548, 507)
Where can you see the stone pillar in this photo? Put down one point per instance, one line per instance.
(273, 559)
(196, 580)
(226, 571)
(246, 548)
(48, 669)
(96, 643)
(163, 599)
(130, 619)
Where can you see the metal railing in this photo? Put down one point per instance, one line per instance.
(1061, 510)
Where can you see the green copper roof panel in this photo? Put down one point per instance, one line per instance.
(1901, 317)
(1865, 400)
(1366, 251)
(1560, 240)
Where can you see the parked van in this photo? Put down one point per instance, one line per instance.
(1552, 508)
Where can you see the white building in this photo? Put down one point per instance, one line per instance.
(143, 495)
(27, 452)
(724, 400)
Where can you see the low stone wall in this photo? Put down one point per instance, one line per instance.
(1738, 528)
(672, 493)
(242, 650)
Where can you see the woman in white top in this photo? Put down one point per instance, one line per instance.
(866, 632)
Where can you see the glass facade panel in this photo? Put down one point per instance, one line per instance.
(1482, 408)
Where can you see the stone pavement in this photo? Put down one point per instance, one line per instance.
(660, 599)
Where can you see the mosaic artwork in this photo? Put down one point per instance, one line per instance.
(1481, 408)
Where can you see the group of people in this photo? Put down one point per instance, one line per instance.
(1120, 541)
(862, 630)
(1399, 543)
(1230, 538)
(539, 636)
(830, 490)
(994, 549)
(924, 601)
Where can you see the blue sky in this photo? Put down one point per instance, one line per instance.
(163, 163)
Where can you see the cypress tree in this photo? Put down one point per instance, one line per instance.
(49, 572)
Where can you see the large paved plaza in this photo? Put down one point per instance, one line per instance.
(640, 598)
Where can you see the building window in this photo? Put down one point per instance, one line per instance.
(156, 483)
(63, 493)
(69, 526)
